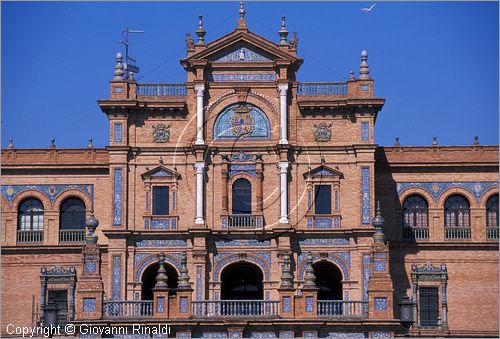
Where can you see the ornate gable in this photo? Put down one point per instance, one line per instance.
(161, 172)
(323, 171)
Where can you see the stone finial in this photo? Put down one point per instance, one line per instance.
(189, 41)
(476, 140)
(286, 275)
(161, 277)
(242, 24)
(200, 32)
(91, 224)
(119, 67)
(184, 276)
(309, 277)
(90, 144)
(378, 222)
(396, 142)
(53, 143)
(294, 43)
(283, 33)
(351, 76)
(11, 143)
(434, 141)
(131, 77)
(364, 71)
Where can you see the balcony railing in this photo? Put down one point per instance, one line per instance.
(243, 221)
(71, 235)
(343, 309)
(415, 233)
(161, 90)
(456, 233)
(492, 233)
(235, 308)
(322, 88)
(29, 236)
(127, 309)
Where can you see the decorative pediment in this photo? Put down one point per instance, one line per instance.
(243, 46)
(159, 172)
(323, 171)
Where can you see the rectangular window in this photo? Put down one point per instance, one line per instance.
(322, 199)
(160, 200)
(429, 306)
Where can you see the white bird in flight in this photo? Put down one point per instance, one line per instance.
(368, 9)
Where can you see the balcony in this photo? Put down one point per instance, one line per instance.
(71, 236)
(322, 88)
(492, 233)
(343, 309)
(161, 90)
(415, 233)
(127, 309)
(235, 308)
(457, 233)
(242, 221)
(30, 236)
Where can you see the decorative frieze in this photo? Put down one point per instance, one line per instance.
(341, 259)
(116, 287)
(242, 242)
(323, 242)
(248, 169)
(242, 54)
(242, 77)
(117, 196)
(436, 189)
(261, 259)
(365, 195)
(50, 191)
(161, 243)
(365, 275)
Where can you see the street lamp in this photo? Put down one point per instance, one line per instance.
(406, 311)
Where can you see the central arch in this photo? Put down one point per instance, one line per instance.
(148, 280)
(242, 281)
(328, 280)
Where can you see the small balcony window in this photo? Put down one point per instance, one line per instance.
(323, 199)
(160, 200)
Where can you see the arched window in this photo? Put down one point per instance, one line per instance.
(30, 216)
(492, 211)
(72, 216)
(456, 212)
(242, 197)
(456, 218)
(415, 212)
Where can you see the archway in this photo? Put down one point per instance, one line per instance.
(328, 280)
(149, 280)
(242, 281)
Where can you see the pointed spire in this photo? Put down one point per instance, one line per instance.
(309, 277)
(52, 143)
(200, 32)
(396, 142)
(351, 76)
(283, 33)
(242, 23)
(286, 275)
(476, 140)
(378, 222)
(119, 67)
(11, 143)
(91, 224)
(434, 141)
(161, 277)
(364, 71)
(184, 276)
(90, 144)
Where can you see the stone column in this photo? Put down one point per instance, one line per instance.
(224, 171)
(283, 88)
(284, 192)
(199, 88)
(200, 166)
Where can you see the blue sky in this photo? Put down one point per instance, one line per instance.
(435, 63)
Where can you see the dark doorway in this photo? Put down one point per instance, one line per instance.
(60, 299)
(242, 197)
(149, 280)
(242, 281)
(328, 280)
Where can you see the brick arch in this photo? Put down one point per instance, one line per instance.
(471, 199)
(5, 204)
(431, 203)
(234, 258)
(47, 205)
(332, 259)
(152, 259)
(487, 195)
(73, 193)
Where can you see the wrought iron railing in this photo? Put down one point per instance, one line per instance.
(343, 309)
(71, 235)
(415, 233)
(29, 236)
(161, 90)
(322, 88)
(492, 233)
(457, 233)
(127, 309)
(244, 221)
(235, 308)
